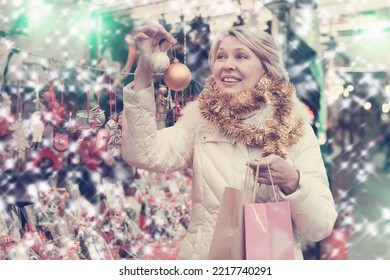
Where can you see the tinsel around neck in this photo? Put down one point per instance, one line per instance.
(225, 112)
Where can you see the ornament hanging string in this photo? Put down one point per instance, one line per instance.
(185, 42)
(56, 68)
(62, 81)
(37, 95)
(88, 95)
(173, 52)
(110, 103)
(19, 101)
(98, 92)
(51, 80)
(176, 98)
(115, 112)
(19, 98)
(109, 95)
(112, 97)
(62, 92)
(98, 97)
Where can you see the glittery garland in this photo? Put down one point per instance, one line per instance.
(225, 111)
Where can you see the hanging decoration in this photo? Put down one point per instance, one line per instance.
(159, 61)
(56, 112)
(19, 135)
(91, 140)
(178, 76)
(170, 119)
(98, 114)
(102, 134)
(112, 125)
(114, 144)
(89, 120)
(20, 132)
(60, 133)
(161, 103)
(36, 127)
(5, 114)
(178, 106)
(61, 139)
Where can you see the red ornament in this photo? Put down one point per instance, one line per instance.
(56, 111)
(3, 127)
(46, 153)
(93, 148)
(178, 76)
(61, 139)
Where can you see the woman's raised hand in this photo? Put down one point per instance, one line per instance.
(147, 38)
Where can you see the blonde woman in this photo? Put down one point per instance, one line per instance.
(247, 115)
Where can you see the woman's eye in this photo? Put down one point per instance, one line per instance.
(220, 56)
(242, 57)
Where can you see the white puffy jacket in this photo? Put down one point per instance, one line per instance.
(218, 162)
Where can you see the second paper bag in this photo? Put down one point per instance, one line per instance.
(228, 238)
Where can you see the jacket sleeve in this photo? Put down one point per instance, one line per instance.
(144, 146)
(312, 205)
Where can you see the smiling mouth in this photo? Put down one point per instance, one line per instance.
(231, 80)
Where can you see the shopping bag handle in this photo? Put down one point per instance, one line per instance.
(272, 183)
(253, 189)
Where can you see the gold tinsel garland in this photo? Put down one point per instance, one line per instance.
(225, 112)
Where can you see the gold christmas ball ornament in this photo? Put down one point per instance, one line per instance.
(178, 76)
(159, 62)
(162, 90)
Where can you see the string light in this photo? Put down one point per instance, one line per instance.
(185, 41)
(70, 64)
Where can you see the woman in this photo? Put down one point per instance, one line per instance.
(247, 115)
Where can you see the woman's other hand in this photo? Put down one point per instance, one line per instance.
(283, 174)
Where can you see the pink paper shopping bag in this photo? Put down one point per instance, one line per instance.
(268, 230)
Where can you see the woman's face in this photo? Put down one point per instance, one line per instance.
(236, 67)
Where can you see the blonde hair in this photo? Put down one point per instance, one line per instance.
(258, 41)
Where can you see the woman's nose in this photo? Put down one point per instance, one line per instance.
(229, 64)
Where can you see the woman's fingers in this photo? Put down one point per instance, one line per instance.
(149, 30)
(155, 32)
(139, 37)
(165, 45)
(262, 177)
(149, 36)
(261, 169)
(261, 166)
(161, 33)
